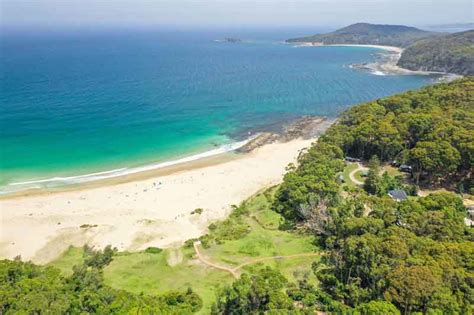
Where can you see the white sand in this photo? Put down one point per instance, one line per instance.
(388, 48)
(389, 66)
(142, 213)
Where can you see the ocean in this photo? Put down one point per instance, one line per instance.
(105, 103)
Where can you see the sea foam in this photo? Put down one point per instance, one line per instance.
(71, 180)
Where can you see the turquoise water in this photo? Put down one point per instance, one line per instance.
(82, 103)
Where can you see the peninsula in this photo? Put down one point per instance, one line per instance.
(419, 50)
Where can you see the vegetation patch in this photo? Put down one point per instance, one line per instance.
(153, 250)
(197, 211)
(73, 256)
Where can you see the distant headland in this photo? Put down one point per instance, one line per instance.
(421, 50)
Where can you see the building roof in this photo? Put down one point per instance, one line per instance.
(398, 194)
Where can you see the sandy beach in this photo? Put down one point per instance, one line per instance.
(387, 65)
(143, 212)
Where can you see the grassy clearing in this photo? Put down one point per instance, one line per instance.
(359, 175)
(152, 274)
(250, 233)
(71, 257)
(345, 174)
(392, 171)
(264, 240)
(260, 242)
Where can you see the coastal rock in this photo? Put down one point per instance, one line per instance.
(260, 140)
(306, 127)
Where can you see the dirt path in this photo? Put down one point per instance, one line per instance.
(234, 271)
(211, 264)
(352, 177)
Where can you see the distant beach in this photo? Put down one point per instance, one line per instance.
(387, 63)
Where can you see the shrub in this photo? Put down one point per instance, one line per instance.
(153, 250)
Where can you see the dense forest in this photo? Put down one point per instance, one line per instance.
(369, 34)
(382, 256)
(379, 256)
(453, 53)
(431, 129)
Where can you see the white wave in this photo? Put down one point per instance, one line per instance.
(376, 72)
(70, 180)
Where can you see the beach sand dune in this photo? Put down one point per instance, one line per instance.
(152, 211)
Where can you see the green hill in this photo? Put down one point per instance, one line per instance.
(452, 53)
(369, 34)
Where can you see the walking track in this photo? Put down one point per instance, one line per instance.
(234, 271)
(352, 177)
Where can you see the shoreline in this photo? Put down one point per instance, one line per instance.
(304, 126)
(388, 64)
(59, 183)
(134, 215)
(149, 208)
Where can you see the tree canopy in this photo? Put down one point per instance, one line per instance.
(26, 288)
(431, 129)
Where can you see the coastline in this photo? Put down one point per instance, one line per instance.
(148, 208)
(303, 127)
(60, 183)
(387, 65)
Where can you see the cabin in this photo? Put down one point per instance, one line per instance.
(398, 195)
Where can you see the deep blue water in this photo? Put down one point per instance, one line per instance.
(79, 103)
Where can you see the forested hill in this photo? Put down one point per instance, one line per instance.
(384, 256)
(452, 53)
(369, 34)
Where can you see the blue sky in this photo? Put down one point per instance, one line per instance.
(229, 13)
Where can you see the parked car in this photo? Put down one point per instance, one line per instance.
(405, 168)
(351, 159)
(395, 163)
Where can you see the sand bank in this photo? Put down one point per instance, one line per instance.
(148, 211)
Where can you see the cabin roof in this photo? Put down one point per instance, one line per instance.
(398, 194)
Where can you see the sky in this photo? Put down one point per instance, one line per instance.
(37, 14)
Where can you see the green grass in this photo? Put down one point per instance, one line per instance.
(265, 240)
(345, 174)
(260, 242)
(71, 257)
(178, 269)
(393, 171)
(359, 175)
(151, 274)
(268, 219)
